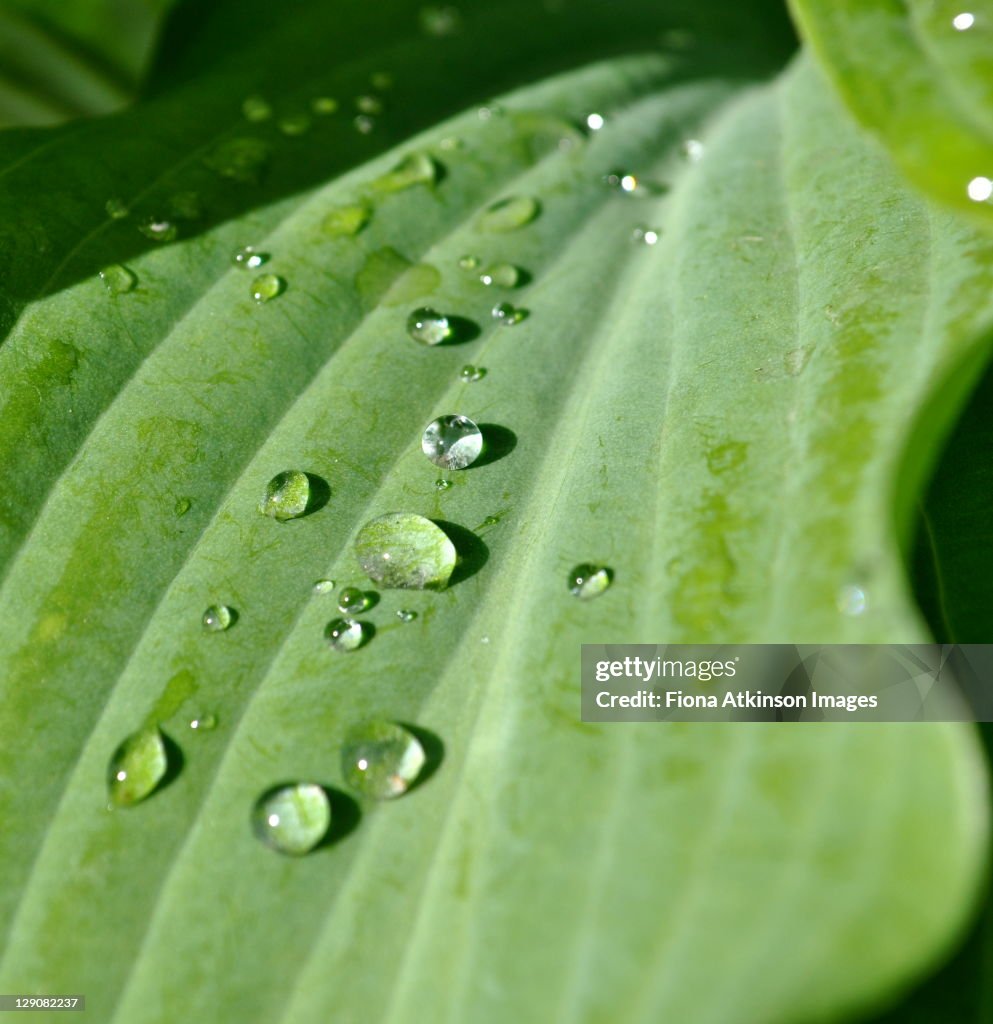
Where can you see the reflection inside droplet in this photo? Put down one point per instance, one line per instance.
(980, 189)
(964, 21)
(852, 600)
(594, 122)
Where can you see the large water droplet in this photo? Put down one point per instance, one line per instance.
(256, 108)
(469, 374)
(440, 21)
(118, 279)
(405, 551)
(286, 496)
(345, 635)
(323, 586)
(428, 327)
(414, 169)
(323, 106)
(352, 600)
(346, 220)
(117, 209)
(295, 125)
(266, 287)
(501, 275)
(241, 159)
(292, 819)
(217, 618)
(249, 258)
(587, 580)
(509, 214)
(452, 442)
(508, 315)
(138, 766)
(158, 229)
(381, 760)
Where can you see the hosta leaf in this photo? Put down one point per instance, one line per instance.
(919, 74)
(718, 418)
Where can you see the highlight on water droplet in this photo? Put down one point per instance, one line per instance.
(324, 106)
(117, 209)
(249, 258)
(292, 819)
(852, 599)
(267, 286)
(509, 214)
(345, 635)
(594, 122)
(158, 229)
(413, 169)
(501, 275)
(324, 586)
(440, 21)
(351, 599)
(405, 551)
(204, 723)
(508, 315)
(452, 442)
(286, 496)
(622, 181)
(587, 580)
(443, 484)
(381, 760)
(347, 220)
(429, 327)
(137, 767)
(294, 125)
(692, 149)
(240, 159)
(117, 279)
(964, 21)
(647, 236)
(469, 374)
(217, 618)
(256, 108)
(406, 614)
(364, 124)
(980, 189)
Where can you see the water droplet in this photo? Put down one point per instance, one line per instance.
(324, 106)
(469, 374)
(323, 586)
(623, 181)
(118, 279)
(182, 506)
(292, 819)
(484, 639)
(468, 262)
(406, 615)
(345, 634)
(346, 220)
(217, 618)
(507, 315)
(286, 496)
(795, 361)
(442, 484)
(428, 327)
(402, 550)
(488, 112)
(413, 169)
(450, 143)
(980, 189)
(351, 599)
(249, 258)
(452, 442)
(117, 209)
(266, 287)
(647, 236)
(852, 600)
(204, 723)
(501, 275)
(186, 206)
(364, 124)
(381, 80)
(964, 21)
(240, 159)
(158, 229)
(693, 150)
(381, 760)
(368, 104)
(295, 125)
(594, 122)
(137, 767)
(587, 581)
(509, 214)
(440, 21)
(256, 108)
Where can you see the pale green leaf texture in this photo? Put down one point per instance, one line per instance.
(720, 419)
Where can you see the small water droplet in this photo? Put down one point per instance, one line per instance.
(587, 580)
(364, 124)
(406, 615)
(509, 214)
(266, 287)
(693, 150)
(428, 327)
(117, 209)
(323, 586)
(413, 169)
(440, 21)
(468, 262)
(295, 125)
(345, 635)
(381, 760)
(286, 496)
(795, 361)
(484, 639)
(450, 143)
(469, 374)
(368, 104)
(452, 442)
(158, 229)
(964, 21)
(241, 159)
(646, 235)
(346, 220)
(118, 279)
(489, 111)
(256, 108)
(351, 599)
(501, 275)
(980, 189)
(405, 551)
(249, 258)
(622, 181)
(292, 819)
(441, 484)
(182, 506)
(217, 618)
(186, 206)
(507, 315)
(204, 723)
(852, 599)
(324, 106)
(594, 122)
(137, 767)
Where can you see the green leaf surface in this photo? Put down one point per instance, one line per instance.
(918, 74)
(719, 418)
